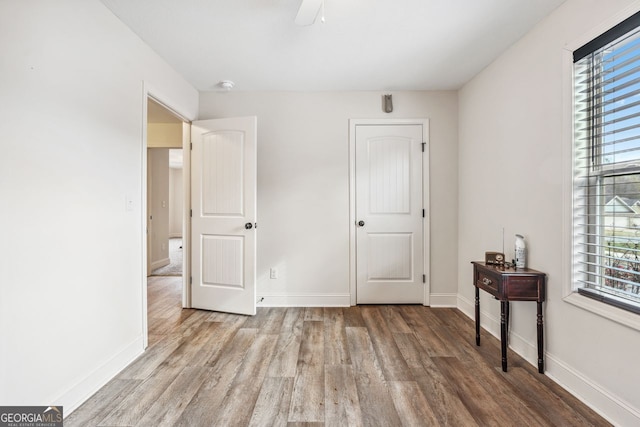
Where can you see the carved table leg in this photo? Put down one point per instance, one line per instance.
(540, 340)
(503, 333)
(477, 316)
(506, 320)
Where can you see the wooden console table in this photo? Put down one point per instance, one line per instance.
(510, 284)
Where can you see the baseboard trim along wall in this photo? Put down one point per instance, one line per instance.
(83, 390)
(443, 300)
(608, 405)
(288, 300)
(160, 263)
(336, 300)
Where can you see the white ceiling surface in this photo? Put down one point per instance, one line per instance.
(364, 44)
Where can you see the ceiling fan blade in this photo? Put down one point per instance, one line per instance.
(308, 12)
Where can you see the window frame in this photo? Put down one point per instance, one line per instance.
(570, 290)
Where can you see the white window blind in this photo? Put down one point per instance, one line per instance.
(607, 167)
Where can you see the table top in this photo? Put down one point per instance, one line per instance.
(501, 269)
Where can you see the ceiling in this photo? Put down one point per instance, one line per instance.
(363, 44)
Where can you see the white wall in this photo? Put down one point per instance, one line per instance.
(71, 258)
(303, 185)
(511, 176)
(159, 206)
(166, 135)
(176, 203)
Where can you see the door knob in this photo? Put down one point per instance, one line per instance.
(248, 226)
(361, 223)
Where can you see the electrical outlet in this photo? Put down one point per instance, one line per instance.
(273, 273)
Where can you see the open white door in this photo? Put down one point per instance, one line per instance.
(223, 194)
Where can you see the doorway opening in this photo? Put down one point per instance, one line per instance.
(165, 190)
(166, 165)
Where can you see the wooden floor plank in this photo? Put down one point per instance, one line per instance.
(393, 365)
(342, 407)
(292, 320)
(393, 316)
(150, 360)
(192, 348)
(504, 394)
(442, 397)
(307, 402)
(411, 405)
(136, 404)
(185, 328)
(360, 366)
(169, 406)
(305, 424)
(272, 406)
(336, 351)
(551, 406)
(481, 404)
(217, 343)
(353, 317)
(314, 314)
(462, 332)
(106, 400)
(260, 318)
(273, 322)
(204, 406)
(238, 404)
(285, 360)
(376, 403)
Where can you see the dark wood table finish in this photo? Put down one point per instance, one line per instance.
(510, 284)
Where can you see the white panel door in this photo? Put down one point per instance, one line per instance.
(223, 194)
(389, 214)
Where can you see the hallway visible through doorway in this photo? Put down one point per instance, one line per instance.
(174, 268)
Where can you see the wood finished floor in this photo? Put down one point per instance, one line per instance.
(361, 366)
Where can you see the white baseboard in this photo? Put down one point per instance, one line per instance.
(611, 407)
(336, 300)
(288, 300)
(443, 300)
(160, 263)
(79, 393)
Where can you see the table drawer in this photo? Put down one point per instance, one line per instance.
(522, 288)
(488, 283)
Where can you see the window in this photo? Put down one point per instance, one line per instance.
(606, 170)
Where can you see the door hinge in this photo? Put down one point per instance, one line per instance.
(191, 213)
(424, 278)
(191, 280)
(191, 146)
(423, 145)
(423, 213)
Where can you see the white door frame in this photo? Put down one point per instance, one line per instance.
(352, 198)
(186, 219)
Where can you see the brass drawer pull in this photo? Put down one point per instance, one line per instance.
(486, 281)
